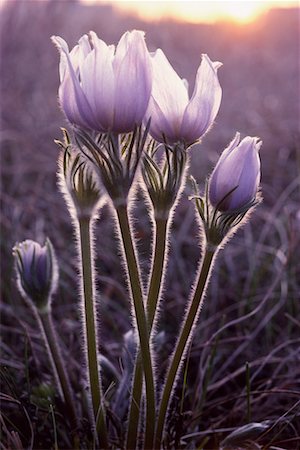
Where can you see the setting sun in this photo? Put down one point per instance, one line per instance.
(242, 11)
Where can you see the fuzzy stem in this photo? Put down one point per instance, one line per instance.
(156, 282)
(155, 287)
(184, 338)
(141, 321)
(55, 356)
(90, 330)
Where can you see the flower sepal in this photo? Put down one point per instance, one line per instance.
(115, 158)
(77, 181)
(219, 225)
(164, 179)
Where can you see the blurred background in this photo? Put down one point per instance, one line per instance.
(252, 307)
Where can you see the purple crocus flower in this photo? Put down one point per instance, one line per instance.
(175, 117)
(36, 270)
(103, 88)
(236, 177)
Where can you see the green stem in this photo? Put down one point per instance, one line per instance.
(153, 295)
(90, 331)
(157, 269)
(141, 321)
(56, 359)
(185, 334)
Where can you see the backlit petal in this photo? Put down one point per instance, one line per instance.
(160, 128)
(205, 102)
(238, 168)
(72, 97)
(133, 81)
(97, 80)
(169, 92)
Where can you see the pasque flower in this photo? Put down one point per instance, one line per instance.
(175, 117)
(235, 179)
(103, 88)
(77, 181)
(36, 271)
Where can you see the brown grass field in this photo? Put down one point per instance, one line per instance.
(244, 365)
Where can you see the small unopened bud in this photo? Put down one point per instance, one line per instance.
(164, 179)
(37, 272)
(235, 180)
(78, 182)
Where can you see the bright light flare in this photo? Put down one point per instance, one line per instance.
(242, 11)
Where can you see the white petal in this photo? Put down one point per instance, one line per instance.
(121, 50)
(84, 46)
(63, 49)
(79, 53)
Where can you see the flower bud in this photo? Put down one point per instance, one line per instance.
(236, 177)
(77, 181)
(174, 116)
(104, 89)
(164, 179)
(37, 272)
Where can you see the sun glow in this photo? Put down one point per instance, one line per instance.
(241, 11)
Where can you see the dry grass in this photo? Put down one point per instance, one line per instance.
(244, 363)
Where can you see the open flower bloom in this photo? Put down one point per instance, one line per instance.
(103, 88)
(175, 117)
(236, 177)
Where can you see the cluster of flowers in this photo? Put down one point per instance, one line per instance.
(123, 104)
(114, 90)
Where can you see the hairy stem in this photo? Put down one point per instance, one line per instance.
(155, 287)
(141, 322)
(56, 357)
(90, 331)
(156, 282)
(184, 338)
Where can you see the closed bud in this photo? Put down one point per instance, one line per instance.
(164, 179)
(235, 180)
(77, 181)
(37, 272)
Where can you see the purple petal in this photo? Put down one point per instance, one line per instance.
(160, 128)
(72, 98)
(170, 95)
(97, 80)
(231, 147)
(205, 102)
(133, 81)
(29, 252)
(238, 168)
(225, 178)
(79, 53)
(250, 174)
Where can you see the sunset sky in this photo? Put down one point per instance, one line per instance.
(199, 11)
